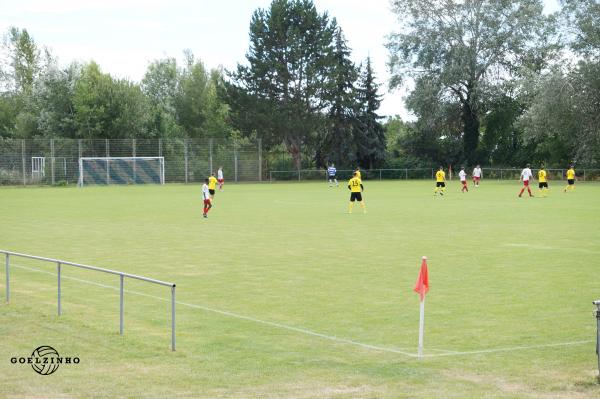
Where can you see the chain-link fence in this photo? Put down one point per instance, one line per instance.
(56, 161)
(424, 173)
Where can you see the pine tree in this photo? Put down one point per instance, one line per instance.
(339, 146)
(369, 133)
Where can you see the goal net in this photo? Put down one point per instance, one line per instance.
(121, 170)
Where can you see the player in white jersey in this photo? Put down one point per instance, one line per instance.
(331, 172)
(220, 178)
(477, 174)
(463, 179)
(525, 176)
(206, 198)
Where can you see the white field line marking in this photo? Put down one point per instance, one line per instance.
(550, 248)
(238, 316)
(313, 333)
(513, 348)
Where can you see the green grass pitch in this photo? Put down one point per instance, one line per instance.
(283, 294)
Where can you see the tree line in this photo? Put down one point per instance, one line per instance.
(492, 81)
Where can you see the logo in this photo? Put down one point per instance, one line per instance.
(45, 360)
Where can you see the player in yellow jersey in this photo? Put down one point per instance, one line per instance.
(440, 181)
(357, 172)
(355, 186)
(570, 179)
(542, 181)
(212, 185)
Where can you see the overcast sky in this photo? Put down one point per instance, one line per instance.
(123, 36)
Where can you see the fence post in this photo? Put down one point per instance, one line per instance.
(23, 160)
(133, 154)
(405, 174)
(58, 273)
(235, 160)
(185, 151)
(121, 305)
(259, 159)
(379, 174)
(52, 159)
(210, 156)
(583, 175)
(173, 318)
(160, 147)
(7, 278)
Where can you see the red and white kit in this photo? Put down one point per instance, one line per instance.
(476, 176)
(463, 179)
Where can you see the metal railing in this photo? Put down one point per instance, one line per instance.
(122, 275)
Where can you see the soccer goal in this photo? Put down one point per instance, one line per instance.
(121, 170)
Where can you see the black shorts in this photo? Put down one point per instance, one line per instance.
(571, 181)
(355, 197)
(212, 192)
(543, 184)
(440, 184)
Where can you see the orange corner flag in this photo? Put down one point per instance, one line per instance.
(422, 284)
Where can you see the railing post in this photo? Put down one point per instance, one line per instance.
(7, 278)
(121, 306)
(379, 174)
(173, 318)
(58, 273)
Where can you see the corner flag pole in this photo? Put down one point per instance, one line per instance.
(421, 287)
(421, 328)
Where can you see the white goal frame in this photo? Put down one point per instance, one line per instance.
(161, 161)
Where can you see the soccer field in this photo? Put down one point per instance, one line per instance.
(281, 293)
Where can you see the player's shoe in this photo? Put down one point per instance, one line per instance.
(205, 215)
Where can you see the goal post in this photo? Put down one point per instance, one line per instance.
(121, 170)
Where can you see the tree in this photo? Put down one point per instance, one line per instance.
(107, 108)
(466, 47)
(280, 93)
(53, 94)
(339, 145)
(583, 17)
(24, 59)
(370, 134)
(159, 84)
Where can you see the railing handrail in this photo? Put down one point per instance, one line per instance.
(121, 275)
(99, 269)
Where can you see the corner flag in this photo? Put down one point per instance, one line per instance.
(421, 288)
(422, 284)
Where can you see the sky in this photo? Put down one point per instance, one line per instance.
(124, 36)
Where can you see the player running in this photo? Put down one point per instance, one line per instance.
(440, 181)
(463, 179)
(331, 172)
(525, 176)
(477, 174)
(355, 186)
(570, 179)
(212, 185)
(206, 198)
(220, 178)
(543, 181)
